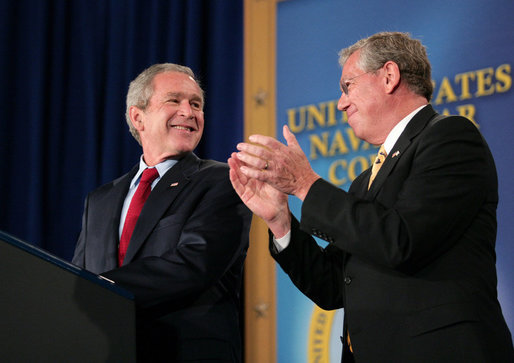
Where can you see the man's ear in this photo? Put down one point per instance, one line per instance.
(136, 117)
(392, 76)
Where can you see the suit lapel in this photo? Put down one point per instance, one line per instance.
(415, 126)
(113, 204)
(161, 197)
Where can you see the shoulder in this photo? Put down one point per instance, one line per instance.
(192, 165)
(452, 122)
(123, 181)
(454, 141)
(213, 164)
(206, 174)
(427, 122)
(457, 129)
(213, 169)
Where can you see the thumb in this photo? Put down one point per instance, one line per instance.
(289, 136)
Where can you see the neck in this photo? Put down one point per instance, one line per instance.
(152, 158)
(398, 107)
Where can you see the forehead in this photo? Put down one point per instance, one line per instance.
(350, 67)
(176, 82)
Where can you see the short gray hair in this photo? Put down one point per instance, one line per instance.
(141, 89)
(408, 53)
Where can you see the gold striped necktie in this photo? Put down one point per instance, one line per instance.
(379, 160)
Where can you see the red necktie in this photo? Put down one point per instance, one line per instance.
(138, 200)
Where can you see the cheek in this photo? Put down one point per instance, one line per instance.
(368, 105)
(200, 122)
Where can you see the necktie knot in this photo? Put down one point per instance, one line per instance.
(149, 175)
(381, 156)
(379, 160)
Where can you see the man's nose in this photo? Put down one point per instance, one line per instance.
(185, 109)
(343, 103)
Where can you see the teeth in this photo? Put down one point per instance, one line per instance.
(182, 128)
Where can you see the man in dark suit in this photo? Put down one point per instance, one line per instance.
(183, 260)
(411, 245)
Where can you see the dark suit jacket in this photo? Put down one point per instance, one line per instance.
(184, 261)
(412, 260)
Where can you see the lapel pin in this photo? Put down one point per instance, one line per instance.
(396, 153)
(174, 184)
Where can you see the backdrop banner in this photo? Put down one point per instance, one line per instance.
(469, 44)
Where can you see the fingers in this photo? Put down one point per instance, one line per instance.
(238, 180)
(252, 172)
(268, 160)
(264, 145)
(253, 155)
(262, 153)
(252, 161)
(236, 183)
(241, 171)
(233, 161)
(235, 171)
(267, 141)
(250, 166)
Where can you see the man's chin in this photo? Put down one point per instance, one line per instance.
(354, 127)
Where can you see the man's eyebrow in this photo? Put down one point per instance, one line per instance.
(193, 96)
(174, 94)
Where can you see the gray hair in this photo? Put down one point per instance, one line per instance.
(408, 53)
(141, 89)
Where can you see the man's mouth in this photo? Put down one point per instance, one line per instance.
(185, 128)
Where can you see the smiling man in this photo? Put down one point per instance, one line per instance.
(410, 254)
(172, 230)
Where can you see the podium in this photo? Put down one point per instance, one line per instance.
(54, 311)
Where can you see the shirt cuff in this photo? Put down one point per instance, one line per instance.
(282, 242)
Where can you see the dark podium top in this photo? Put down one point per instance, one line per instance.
(54, 311)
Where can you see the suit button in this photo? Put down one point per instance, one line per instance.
(347, 280)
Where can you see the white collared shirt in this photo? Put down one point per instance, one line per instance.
(395, 133)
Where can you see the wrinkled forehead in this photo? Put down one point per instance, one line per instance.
(172, 81)
(352, 66)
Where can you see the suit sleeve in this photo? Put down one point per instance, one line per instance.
(316, 271)
(452, 176)
(213, 238)
(79, 254)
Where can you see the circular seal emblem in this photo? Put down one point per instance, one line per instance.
(324, 344)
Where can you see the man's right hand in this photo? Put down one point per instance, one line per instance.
(261, 198)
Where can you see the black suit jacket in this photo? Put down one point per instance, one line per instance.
(184, 261)
(412, 260)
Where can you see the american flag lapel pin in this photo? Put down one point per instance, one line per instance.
(173, 184)
(396, 153)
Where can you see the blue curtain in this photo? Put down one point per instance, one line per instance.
(65, 66)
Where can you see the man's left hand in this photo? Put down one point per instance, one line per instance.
(286, 168)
